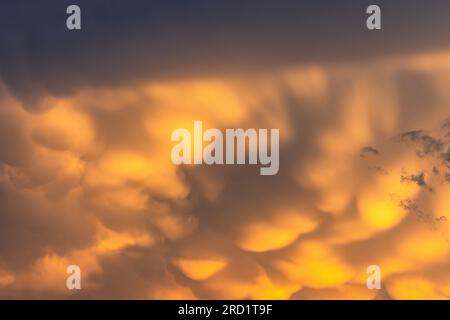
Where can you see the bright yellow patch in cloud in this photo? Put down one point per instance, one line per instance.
(379, 204)
(127, 165)
(200, 269)
(277, 232)
(118, 167)
(380, 211)
(172, 292)
(112, 241)
(413, 288)
(261, 286)
(265, 289)
(314, 265)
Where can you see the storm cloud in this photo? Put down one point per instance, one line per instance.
(85, 170)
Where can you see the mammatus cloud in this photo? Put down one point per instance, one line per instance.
(363, 180)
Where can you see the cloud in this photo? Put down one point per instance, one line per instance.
(120, 43)
(88, 180)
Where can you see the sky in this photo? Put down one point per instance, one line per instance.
(85, 171)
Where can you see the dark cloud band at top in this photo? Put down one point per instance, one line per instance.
(126, 41)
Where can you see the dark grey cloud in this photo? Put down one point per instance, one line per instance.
(368, 151)
(427, 145)
(418, 179)
(126, 41)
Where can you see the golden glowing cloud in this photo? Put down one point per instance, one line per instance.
(200, 269)
(88, 180)
(280, 231)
